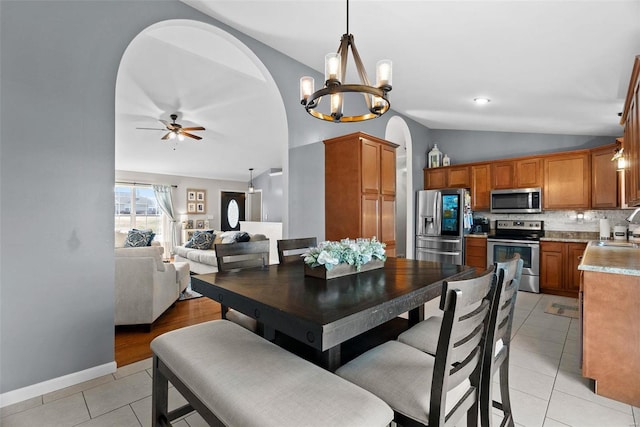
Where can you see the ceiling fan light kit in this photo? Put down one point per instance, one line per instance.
(375, 97)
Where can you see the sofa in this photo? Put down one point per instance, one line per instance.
(203, 261)
(145, 286)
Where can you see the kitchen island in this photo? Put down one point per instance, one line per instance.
(610, 298)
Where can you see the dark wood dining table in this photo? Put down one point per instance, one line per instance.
(323, 314)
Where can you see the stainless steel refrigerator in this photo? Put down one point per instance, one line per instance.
(441, 220)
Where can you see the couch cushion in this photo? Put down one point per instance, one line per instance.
(207, 257)
(139, 238)
(201, 240)
(182, 251)
(242, 236)
(258, 237)
(229, 236)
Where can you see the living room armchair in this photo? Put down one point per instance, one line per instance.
(145, 286)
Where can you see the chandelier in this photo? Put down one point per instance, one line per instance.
(335, 67)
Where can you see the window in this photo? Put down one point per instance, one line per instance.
(136, 207)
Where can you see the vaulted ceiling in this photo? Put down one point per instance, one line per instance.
(558, 67)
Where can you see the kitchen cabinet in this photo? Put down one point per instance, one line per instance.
(475, 253)
(567, 181)
(528, 173)
(447, 177)
(604, 178)
(481, 187)
(503, 174)
(458, 177)
(518, 173)
(360, 189)
(630, 119)
(435, 178)
(559, 267)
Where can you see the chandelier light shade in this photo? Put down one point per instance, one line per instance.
(251, 188)
(375, 98)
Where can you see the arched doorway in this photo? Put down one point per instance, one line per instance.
(398, 132)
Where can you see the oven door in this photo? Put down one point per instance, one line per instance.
(500, 250)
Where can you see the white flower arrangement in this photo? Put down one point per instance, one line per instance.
(352, 252)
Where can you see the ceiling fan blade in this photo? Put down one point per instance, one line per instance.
(166, 136)
(190, 135)
(151, 128)
(194, 128)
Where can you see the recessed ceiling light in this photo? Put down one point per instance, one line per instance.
(481, 101)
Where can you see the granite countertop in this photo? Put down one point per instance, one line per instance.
(611, 259)
(481, 235)
(570, 236)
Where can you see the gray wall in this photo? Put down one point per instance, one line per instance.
(472, 146)
(272, 196)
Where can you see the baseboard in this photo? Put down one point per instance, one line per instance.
(35, 390)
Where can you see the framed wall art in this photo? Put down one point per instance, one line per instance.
(196, 201)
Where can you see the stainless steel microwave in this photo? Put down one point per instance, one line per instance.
(517, 200)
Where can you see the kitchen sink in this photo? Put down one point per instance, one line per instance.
(617, 244)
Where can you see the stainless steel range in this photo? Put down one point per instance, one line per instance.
(522, 237)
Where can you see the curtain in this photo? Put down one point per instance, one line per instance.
(163, 197)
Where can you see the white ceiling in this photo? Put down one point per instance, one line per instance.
(548, 66)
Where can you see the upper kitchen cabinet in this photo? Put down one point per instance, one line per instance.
(447, 177)
(481, 187)
(604, 178)
(567, 181)
(360, 188)
(517, 173)
(630, 119)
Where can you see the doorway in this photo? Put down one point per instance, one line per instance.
(232, 210)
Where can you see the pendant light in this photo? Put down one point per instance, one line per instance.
(375, 103)
(251, 188)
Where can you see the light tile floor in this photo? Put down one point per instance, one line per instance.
(546, 386)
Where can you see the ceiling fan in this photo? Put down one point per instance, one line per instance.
(176, 130)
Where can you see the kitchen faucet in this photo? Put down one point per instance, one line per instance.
(631, 217)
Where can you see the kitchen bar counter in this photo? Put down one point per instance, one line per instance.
(611, 258)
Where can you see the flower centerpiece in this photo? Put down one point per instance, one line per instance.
(334, 259)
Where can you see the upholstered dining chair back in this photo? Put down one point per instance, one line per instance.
(239, 255)
(290, 250)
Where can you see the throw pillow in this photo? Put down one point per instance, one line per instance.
(201, 240)
(139, 238)
(242, 236)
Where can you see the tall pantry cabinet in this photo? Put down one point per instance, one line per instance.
(360, 189)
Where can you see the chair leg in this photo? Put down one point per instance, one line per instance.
(486, 392)
(504, 393)
(223, 311)
(159, 397)
(472, 415)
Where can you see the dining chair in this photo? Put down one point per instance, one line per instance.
(427, 390)
(238, 256)
(290, 250)
(497, 351)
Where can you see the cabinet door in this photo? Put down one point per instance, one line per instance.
(475, 253)
(604, 178)
(388, 170)
(481, 187)
(574, 256)
(388, 221)
(458, 177)
(435, 178)
(567, 181)
(502, 174)
(370, 166)
(552, 264)
(528, 173)
(370, 216)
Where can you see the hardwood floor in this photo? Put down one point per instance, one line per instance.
(132, 342)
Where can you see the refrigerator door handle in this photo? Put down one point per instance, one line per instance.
(438, 212)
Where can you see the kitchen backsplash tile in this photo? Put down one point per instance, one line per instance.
(567, 220)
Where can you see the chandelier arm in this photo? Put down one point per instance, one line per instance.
(344, 51)
(361, 71)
